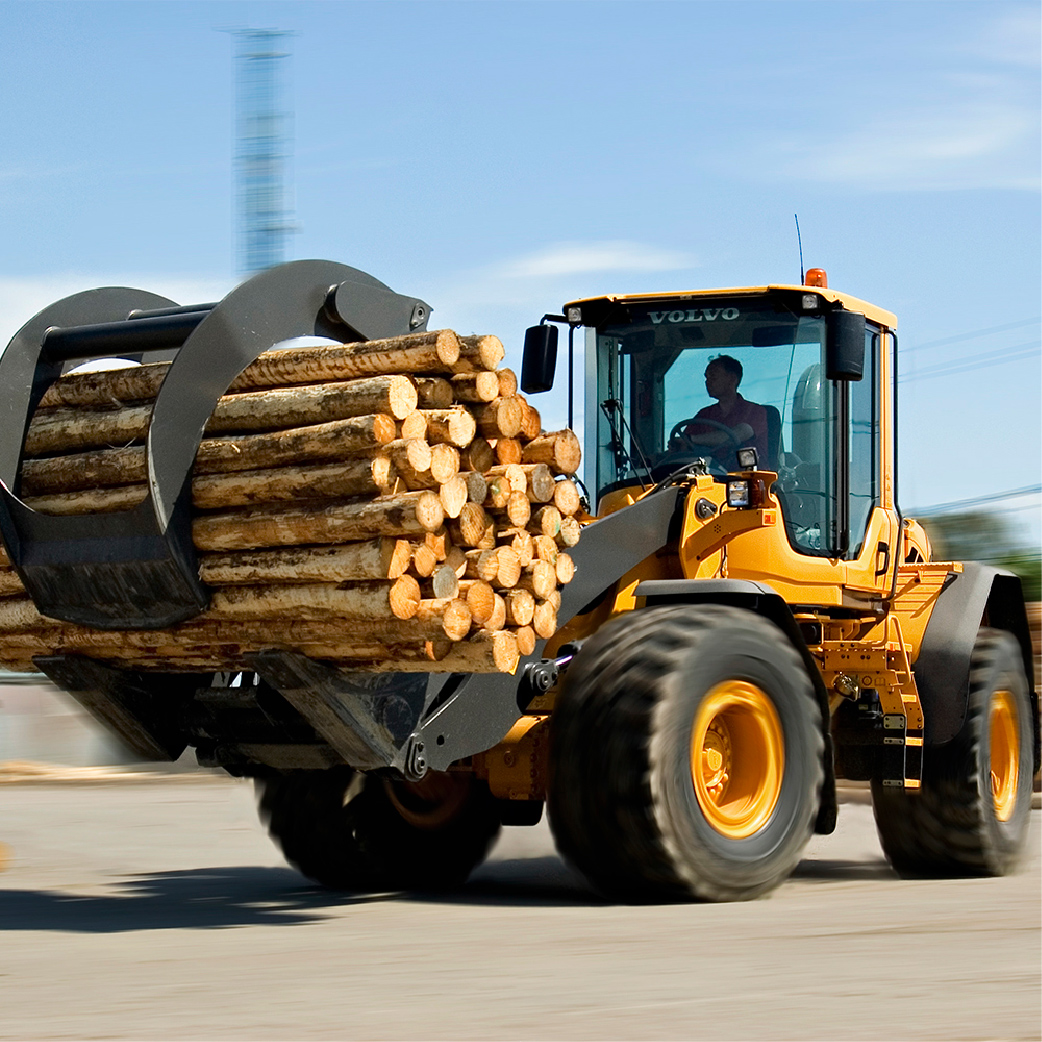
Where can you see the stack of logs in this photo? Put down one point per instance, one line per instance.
(392, 505)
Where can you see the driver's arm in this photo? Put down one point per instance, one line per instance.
(742, 432)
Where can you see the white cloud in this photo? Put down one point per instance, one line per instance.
(1012, 38)
(976, 144)
(21, 298)
(580, 258)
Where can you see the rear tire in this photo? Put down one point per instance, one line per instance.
(970, 816)
(686, 756)
(362, 832)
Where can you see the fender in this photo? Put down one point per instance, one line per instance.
(763, 600)
(942, 669)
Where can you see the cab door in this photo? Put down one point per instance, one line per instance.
(864, 465)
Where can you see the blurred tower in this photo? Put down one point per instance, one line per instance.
(262, 149)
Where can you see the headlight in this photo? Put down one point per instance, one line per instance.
(738, 493)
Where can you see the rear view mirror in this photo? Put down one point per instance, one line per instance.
(540, 359)
(845, 345)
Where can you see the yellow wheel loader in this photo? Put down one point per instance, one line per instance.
(751, 616)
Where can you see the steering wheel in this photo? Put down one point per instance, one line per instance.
(688, 440)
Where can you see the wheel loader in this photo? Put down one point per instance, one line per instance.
(751, 617)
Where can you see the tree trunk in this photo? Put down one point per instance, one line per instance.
(406, 514)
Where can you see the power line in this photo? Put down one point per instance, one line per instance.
(968, 363)
(972, 335)
(962, 504)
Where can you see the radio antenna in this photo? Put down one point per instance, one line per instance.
(796, 216)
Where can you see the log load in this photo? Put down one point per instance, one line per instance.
(390, 505)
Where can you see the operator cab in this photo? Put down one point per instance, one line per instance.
(790, 371)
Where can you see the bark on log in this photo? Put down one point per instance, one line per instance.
(102, 501)
(338, 439)
(10, 584)
(68, 429)
(410, 513)
(434, 620)
(242, 488)
(63, 430)
(281, 407)
(112, 387)
(364, 601)
(477, 486)
(353, 562)
(435, 351)
(84, 470)
(326, 481)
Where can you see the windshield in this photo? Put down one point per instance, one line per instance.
(678, 383)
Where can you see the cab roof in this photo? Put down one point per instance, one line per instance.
(830, 296)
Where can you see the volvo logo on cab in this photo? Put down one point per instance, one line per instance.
(694, 315)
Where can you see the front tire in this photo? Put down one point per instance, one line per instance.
(362, 832)
(971, 814)
(686, 756)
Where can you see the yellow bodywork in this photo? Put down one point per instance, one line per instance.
(886, 598)
(870, 311)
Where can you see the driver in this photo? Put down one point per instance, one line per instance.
(747, 420)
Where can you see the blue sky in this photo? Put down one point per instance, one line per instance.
(498, 159)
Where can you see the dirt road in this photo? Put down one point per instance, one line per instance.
(162, 911)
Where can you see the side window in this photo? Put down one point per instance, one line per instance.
(804, 482)
(864, 443)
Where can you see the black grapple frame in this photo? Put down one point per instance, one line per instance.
(136, 568)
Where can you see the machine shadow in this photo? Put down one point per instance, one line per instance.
(221, 898)
(243, 896)
(208, 898)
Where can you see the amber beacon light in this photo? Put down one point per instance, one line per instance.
(816, 277)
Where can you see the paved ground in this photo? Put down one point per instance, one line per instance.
(162, 911)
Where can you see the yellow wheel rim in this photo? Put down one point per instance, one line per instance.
(1005, 754)
(737, 758)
